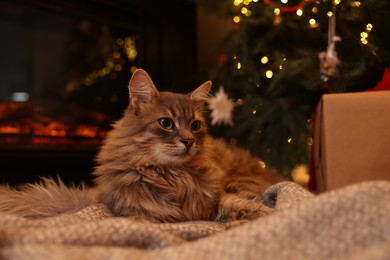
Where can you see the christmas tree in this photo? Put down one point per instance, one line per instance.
(282, 56)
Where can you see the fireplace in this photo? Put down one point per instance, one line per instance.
(64, 71)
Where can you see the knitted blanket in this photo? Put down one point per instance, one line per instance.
(349, 223)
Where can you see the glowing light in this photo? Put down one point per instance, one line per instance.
(269, 74)
(277, 20)
(363, 41)
(284, 1)
(255, 1)
(364, 34)
(355, 4)
(118, 67)
(236, 19)
(247, 2)
(237, 2)
(299, 12)
(369, 27)
(240, 101)
(238, 65)
(109, 63)
(336, 2)
(264, 59)
(314, 10)
(133, 69)
(277, 11)
(330, 13)
(244, 10)
(262, 164)
(116, 55)
(313, 23)
(280, 66)
(254, 112)
(289, 140)
(20, 96)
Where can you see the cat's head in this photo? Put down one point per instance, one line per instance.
(168, 127)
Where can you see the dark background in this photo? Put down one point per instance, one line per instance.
(37, 56)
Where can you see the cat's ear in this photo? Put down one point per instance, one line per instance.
(141, 89)
(200, 95)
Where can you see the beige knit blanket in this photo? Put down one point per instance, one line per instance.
(349, 223)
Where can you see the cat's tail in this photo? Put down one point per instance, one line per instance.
(44, 199)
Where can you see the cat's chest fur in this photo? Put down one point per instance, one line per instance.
(165, 194)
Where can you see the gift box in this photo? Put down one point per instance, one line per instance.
(351, 139)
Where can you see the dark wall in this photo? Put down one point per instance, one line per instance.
(167, 31)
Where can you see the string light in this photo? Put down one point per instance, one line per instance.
(277, 18)
(130, 49)
(355, 4)
(114, 62)
(284, 1)
(364, 41)
(133, 69)
(262, 164)
(299, 12)
(237, 2)
(236, 19)
(116, 55)
(313, 23)
(264, 59)
(238, 65)
(269, 74)
(364, 35)
(314, 10)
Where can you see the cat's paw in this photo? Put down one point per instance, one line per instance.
(232, 208)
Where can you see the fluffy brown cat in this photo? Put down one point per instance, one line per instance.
(158, 163)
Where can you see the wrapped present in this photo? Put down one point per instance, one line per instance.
(351, 139)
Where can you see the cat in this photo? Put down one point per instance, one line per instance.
(158, 163)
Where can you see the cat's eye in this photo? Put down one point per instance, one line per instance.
(195, 125)
(166, 123)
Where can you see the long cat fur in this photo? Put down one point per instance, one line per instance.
(159, 174)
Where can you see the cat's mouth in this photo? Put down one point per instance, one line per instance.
(184, 154)
(181, 153)
(175, 155)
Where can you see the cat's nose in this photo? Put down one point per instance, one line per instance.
(188, 142)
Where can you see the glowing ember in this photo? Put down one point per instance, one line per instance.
(20, 121)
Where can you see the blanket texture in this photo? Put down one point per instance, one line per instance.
(349, 223)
